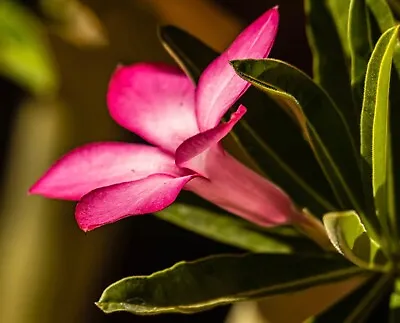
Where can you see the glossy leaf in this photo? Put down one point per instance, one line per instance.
(350, 238)
(329, 135)
(24, 53)
(330, 69)
(277, 155)
(360, 42)
(384, 19)
(375, 132)
(236, 232)
(189, 287)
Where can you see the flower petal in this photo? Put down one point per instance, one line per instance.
(155, 101)
(110, 204)
(237, 189)
(192, 153)
(101, 164)
(219, 87)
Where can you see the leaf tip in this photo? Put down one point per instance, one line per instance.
(101, 305)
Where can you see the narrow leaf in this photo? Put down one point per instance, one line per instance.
(350, 238)
(234, 231)
(301, 178)
(382, 13)
(339, 10)
(189, 287)
(330, 68)
(190, 53)
(384, 18)
(375, 132)
(328, 131)
(360, 43)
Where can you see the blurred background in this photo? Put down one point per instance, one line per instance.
(56, 57)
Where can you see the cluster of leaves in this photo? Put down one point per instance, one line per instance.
(327, 141)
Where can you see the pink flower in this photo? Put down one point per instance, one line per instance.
(114, 180)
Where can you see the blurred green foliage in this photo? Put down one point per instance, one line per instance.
(25, 55)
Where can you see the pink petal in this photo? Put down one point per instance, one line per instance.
(219, 87)
(239, 190)
(155, 101)
(101, 164)
(193, 151)
(110, 204)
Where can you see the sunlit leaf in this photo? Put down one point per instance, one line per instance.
(350, 238)
(189, 287)
(375, 131)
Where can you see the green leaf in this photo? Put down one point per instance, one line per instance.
(382, 13)
(339, 10)
(189, 287)
(345, 307)
(235, 231)
(384, 18)
(395, 303)
(360, 42)
(330, 68)
(350, 238)
(279, 168)
(24, 54)
(277, 155)
(328, 131)
(190, 53)
(301, 178)
(395, 5)
(375, 132)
